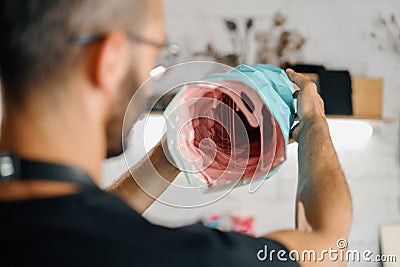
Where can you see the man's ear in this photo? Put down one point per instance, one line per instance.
(111, 62)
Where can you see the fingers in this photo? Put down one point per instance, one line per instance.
(300, 80)
(296, 88)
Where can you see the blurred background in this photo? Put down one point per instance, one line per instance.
(356, 42)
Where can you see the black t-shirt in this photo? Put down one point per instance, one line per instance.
(93, 228)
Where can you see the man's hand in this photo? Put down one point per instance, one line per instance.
(323, 202)
(140, 186)
(310, 106)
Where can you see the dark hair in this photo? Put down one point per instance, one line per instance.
(35, 37)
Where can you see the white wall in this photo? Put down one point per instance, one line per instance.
(337, 32)
(338, 36)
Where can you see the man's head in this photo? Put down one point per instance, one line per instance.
(41, 62)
